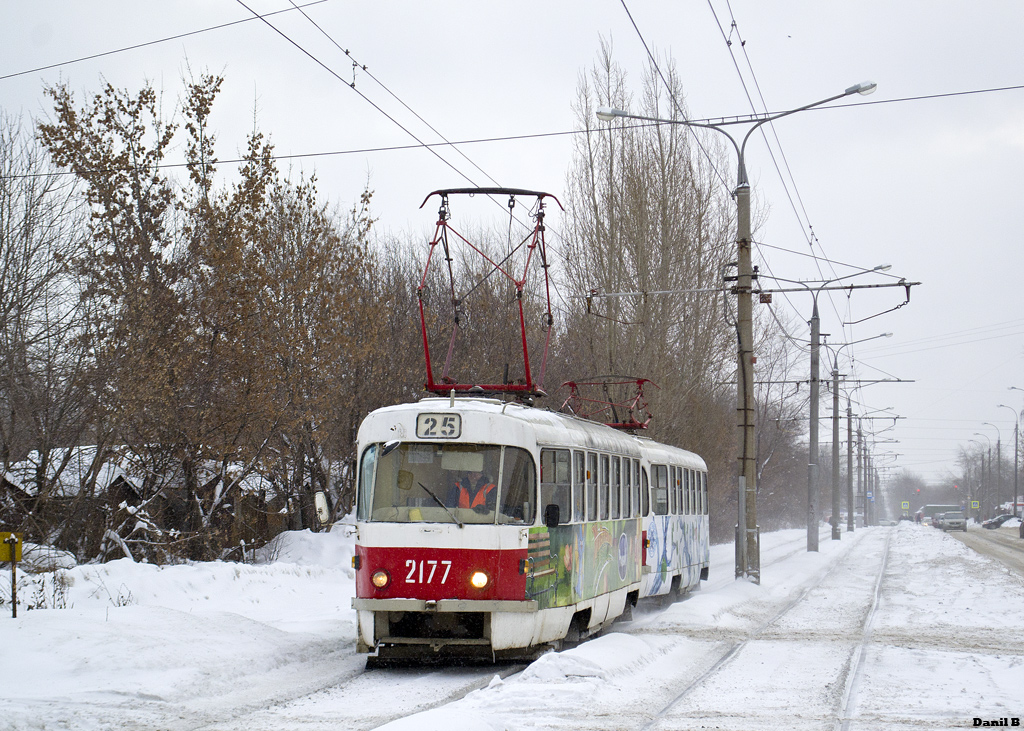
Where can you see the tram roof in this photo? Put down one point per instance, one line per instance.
(516, 423)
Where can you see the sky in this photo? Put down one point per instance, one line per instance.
(920, 175)
(897, 628)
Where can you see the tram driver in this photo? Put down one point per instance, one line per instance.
(475, 491)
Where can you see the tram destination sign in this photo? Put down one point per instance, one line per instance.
(439, 426)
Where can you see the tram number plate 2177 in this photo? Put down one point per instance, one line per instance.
(438, 426)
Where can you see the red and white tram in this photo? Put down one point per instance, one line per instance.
(574, 523)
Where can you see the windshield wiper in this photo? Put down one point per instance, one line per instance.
(438, 501)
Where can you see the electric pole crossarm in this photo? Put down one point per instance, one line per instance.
(844, 287)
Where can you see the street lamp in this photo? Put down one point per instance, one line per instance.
(987, 489)
(835, 442)
(999, 463)
(748, 553)
(1016, 451)
(980, 494)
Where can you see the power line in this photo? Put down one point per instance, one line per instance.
(153, 43)
(380, 83)
(809, 234)
(675, 102)
(363, 96)
(521, 137)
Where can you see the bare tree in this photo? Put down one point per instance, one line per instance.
(45, 397)
(647, 212)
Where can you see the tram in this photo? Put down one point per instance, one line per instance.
(487, 527)
(577, 523)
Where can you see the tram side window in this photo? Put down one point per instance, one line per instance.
(637, 507)
(697, 492)
(591, 486)
(518, 489)
(615, 494)
(645, 493)
(366, 470)
(704, 493)
(579, 485)
(660, 489)
(678, 485)
(555, 483)
(691, 492)
(602, 494)
(627, 488)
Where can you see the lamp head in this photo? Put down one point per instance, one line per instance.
(863, 88)
(882, 268)
(607, 114)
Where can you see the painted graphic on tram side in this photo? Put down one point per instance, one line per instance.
(674, 541)
(571, 563)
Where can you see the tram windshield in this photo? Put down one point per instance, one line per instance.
(447, 483)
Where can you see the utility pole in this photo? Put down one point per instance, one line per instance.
(749, 535)
(1016, 451)
(860, 472)
(835, 454)
(849, 467)
(812, 450)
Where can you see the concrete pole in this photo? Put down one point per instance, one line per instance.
(812, 450)
(835, 454)
(988, 491)
(750, 547)
(999, 473)
(1016, 469)
(860, 471)
(849, 467)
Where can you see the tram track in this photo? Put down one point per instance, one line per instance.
(344, 702)
(726, 655)
(349, 703)
(855, 673)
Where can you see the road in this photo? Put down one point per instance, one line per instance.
(1002, 544)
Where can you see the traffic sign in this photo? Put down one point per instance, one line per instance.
(9, 541)
(905, 505)
(975, 505)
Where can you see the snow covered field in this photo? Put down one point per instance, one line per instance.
(890, 628)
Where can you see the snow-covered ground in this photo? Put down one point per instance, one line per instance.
(890, 628)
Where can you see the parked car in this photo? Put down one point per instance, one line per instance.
(993, 523)
(952, 521)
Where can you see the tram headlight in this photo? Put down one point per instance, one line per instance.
(479, 579)
(381, 579)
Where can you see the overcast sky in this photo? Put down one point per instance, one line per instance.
(930, 186)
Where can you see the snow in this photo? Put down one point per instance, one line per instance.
(933, 641)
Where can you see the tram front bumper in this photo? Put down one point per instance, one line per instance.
(442, 605)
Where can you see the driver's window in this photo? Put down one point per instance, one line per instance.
(518, 489)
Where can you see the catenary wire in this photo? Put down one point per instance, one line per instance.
(152, 43)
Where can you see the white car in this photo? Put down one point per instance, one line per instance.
(952, 521)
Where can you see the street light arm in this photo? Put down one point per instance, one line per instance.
(835, 348)
(1004, 406)
(607, 114)
(999, 434)
(863, 88)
